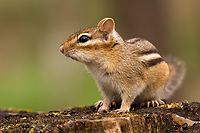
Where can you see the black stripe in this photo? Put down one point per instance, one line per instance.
(136, 40)
(148, 52)
(153, 62)
(107, 73)
(115, 44)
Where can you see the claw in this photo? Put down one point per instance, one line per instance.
(98, 104)
(102, 110)
(160, 102)
(152, 103)
(120, 111)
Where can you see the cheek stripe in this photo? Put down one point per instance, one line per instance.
(150, 56)
(153, 62)
(90, 42)
(149, 52)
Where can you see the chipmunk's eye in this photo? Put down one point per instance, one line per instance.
(83, 38)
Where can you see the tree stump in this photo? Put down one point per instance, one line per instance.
(174, 117)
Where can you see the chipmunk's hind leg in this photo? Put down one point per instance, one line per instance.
(152, 103)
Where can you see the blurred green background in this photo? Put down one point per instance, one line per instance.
(35, 75)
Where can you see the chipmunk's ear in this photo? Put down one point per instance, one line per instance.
(106, 25)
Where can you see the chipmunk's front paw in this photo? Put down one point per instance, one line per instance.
(103, 110)
(152, 103)
(98, 104)
(120, 111)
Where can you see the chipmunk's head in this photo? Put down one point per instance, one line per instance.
(90, 44)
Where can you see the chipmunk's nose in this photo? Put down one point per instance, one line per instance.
(61, 48)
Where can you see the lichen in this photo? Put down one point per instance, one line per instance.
(86, 119)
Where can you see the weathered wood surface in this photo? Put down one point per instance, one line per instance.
(174, 117)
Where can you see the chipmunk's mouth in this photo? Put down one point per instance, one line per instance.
(74, 58)
(66, 53)
(71, 54)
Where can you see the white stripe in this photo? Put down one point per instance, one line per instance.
(150, 56)
(87, 34)
(90, 42)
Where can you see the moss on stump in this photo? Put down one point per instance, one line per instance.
(172, 117)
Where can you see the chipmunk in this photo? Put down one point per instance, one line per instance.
(125, 71)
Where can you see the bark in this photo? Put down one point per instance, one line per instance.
(174, 117)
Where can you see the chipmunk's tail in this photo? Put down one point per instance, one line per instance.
(177, 73)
